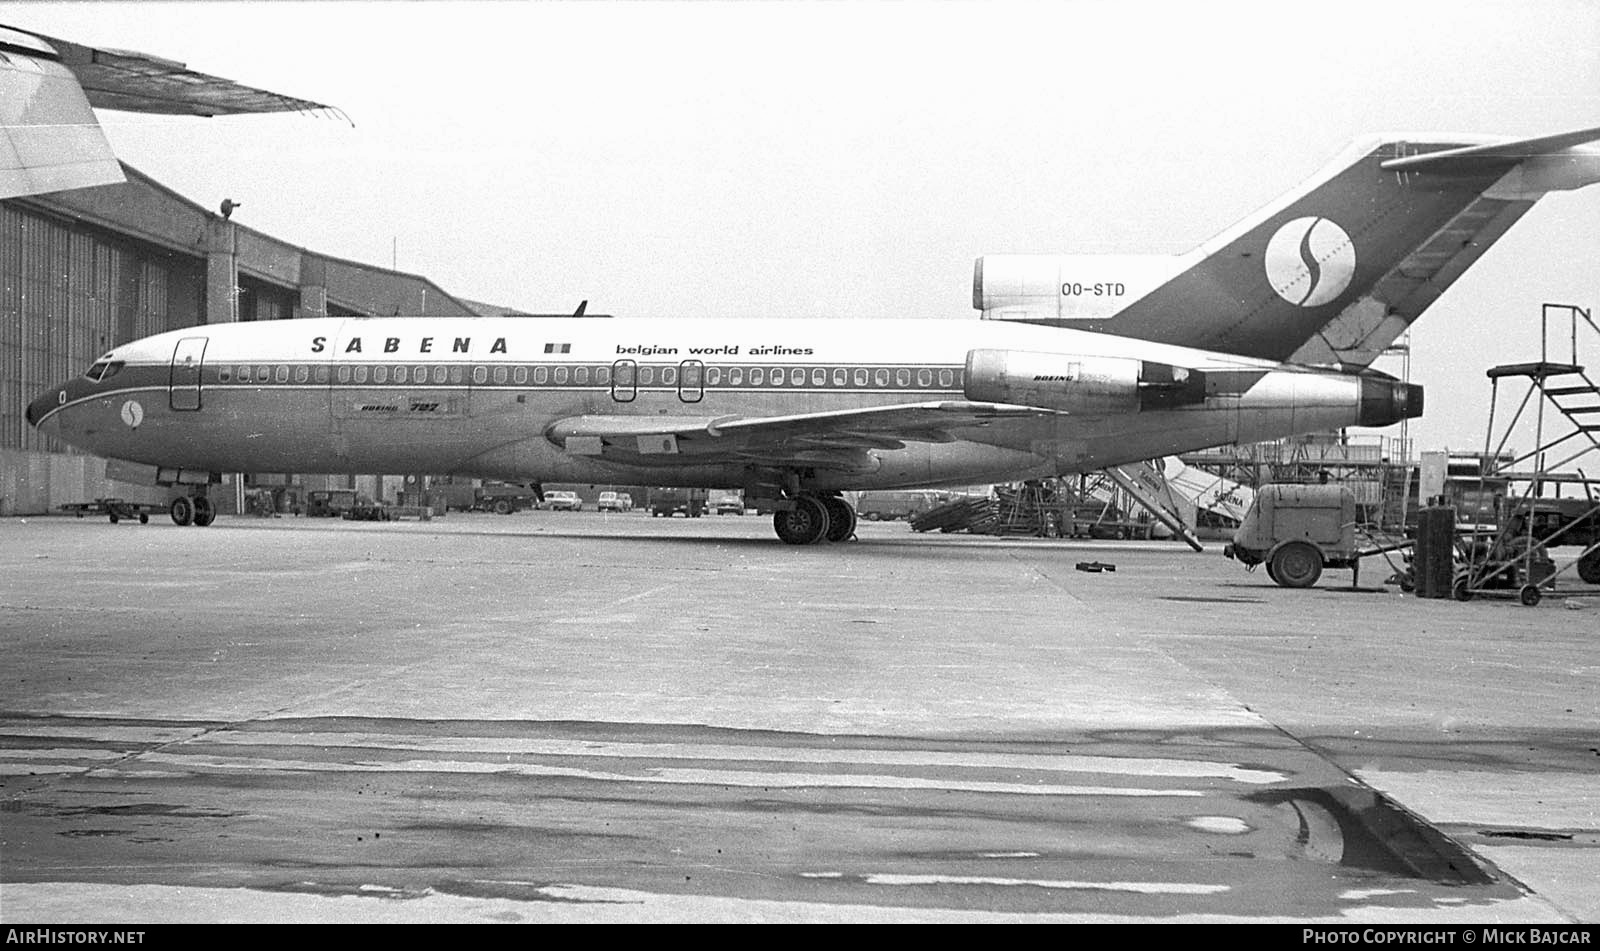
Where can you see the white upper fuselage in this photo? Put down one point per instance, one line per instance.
(731, 341)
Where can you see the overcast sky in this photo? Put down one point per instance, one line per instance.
(852, 159)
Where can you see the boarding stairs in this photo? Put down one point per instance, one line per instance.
(1511, 556)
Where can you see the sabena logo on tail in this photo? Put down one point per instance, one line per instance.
(1310, 261)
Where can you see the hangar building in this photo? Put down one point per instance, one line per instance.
(86, 269)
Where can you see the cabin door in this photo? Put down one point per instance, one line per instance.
(184, 382)
(691, 381)
(624, 381)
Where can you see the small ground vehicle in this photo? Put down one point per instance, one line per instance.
(1514, 552)
(668, 501)
(329, 503)
(890, 505)
(563, 501)
(615, 502)
(114, 509)
(345, 503)
(726, 502)
(1296, 531)
(367, 510)
(1571, 521)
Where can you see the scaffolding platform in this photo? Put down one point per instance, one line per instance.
(1509, 556)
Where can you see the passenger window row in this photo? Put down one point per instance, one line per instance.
(627, 374)
(322, 374)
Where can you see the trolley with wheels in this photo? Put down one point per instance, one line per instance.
(114, 509)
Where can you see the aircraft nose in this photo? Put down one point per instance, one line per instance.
(39, 408)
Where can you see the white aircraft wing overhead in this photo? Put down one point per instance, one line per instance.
(49, 137)
(131, 81)
(832, 440)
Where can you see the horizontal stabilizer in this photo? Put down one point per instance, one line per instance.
(1477, 158)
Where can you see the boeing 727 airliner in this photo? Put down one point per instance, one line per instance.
(1264, 332)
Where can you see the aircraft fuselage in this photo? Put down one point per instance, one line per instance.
(483, 397)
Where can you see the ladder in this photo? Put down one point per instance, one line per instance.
(1509, 557)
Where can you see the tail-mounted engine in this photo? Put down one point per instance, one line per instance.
(1079, 384)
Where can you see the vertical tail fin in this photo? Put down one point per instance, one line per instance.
(1334, 271)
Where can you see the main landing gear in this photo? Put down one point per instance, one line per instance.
(815, 518)
(194, 510)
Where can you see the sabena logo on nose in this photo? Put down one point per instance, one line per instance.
(1310, 261)
(132, 414)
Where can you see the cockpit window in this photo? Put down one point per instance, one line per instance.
(104, 370)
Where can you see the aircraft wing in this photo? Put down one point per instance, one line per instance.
(130, 81)
(838, 439)
(50, 139)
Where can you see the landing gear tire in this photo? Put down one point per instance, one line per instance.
(1297, 565)
(182, 511)
(841, 519)
(805, 524)
(1589, 567)
(204, 512)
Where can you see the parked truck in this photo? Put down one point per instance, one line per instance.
(501, 498)
(668, 501)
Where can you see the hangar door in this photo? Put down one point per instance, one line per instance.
(184, 383)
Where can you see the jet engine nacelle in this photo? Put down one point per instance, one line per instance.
(1079, 384)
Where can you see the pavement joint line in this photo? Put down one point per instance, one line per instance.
(1052, 582)
(1453, 836)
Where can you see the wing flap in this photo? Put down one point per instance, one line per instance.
(131, 81)
(834, 439)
